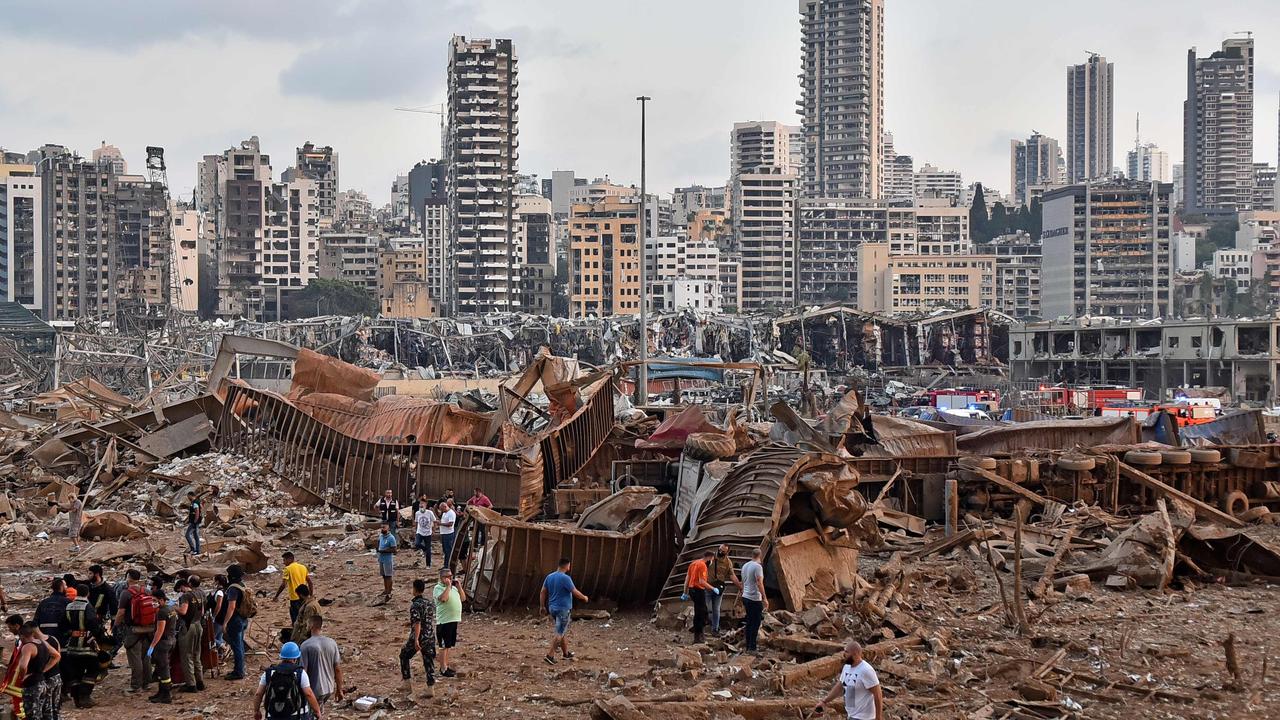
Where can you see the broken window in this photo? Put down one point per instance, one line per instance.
(1197, 341)
(1173, 341)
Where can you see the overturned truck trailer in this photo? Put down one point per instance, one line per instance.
(334, 440)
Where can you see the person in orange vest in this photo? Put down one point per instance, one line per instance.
(696, 588)
(11, 687)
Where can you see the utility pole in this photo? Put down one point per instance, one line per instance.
(642, 370)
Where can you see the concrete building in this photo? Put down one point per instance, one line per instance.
(1089, 120)
(142, 265)
(830, 231)
(185, 231)
(684, 293)
(1217, 129)
(352, 257)
(683, 274)
(1147, 163)
(1018, 271)
(730, 274)
(604, 259)
(230, 193)
(535, 234)
(1034, 162)
(320, 164)
(597, 191)
(765, 226)
(111, 159)
(914, 283)
(1115, 238)
(1240, 355)
(687, 202)
(557, 189)
(764, 144)
(709, 224)
(352, 211)
(842, 97)
(897, 177)
(402, 290)
(22, 264)
(81, 238)
(933, 182)
(1264, 187)
(481, 154)
(942, 230)
(1183, 247)
(1232, 264)
(1257, 228)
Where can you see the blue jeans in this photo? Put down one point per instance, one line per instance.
(713, 609)
(235, 638)
(193, 538)
(446, 542)
(562, 618)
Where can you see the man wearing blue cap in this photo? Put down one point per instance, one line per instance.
(284, 690)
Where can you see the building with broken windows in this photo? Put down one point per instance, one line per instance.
(1242, 355)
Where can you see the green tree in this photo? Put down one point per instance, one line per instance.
(999, 222)
(331, 297)
(978, 218)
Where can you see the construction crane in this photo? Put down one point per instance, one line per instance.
(428, 110)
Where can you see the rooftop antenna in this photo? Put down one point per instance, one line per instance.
(1137, 129)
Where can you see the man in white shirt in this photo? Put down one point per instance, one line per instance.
(863, 696)
(273, 689)
(448, 521)
(426, 521)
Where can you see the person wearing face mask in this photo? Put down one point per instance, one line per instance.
(720, 574)
(863, 696)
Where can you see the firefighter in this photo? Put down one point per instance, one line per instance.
(81, 663)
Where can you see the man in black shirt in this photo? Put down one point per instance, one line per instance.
(389, 510)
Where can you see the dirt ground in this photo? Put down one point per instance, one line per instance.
(1170, 641)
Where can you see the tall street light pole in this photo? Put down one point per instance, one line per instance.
(642, 373)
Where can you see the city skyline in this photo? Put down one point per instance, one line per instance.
(340, 88)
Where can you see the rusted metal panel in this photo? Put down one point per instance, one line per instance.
(567, 448)
(810, 569)
(1051, 434)
(626, 566)
(352, 474)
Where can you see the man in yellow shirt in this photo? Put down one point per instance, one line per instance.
(293, 575)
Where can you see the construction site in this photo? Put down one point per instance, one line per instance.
(1000, 548)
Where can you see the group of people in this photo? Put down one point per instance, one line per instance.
(705, 582)
(431, 519)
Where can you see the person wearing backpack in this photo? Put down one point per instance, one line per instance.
(137, 615)
(284, 690)
(239, 607)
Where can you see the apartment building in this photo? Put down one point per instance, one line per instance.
(352, 257)
(763, 144)
(687, 201)
(1217, 129)
(481, 154)
(932, 182)
(729, 272)
(320, 164)
(142, 269)
(765, 227)
(185, 231)
(914, 283)
(1089, 119)
(535, 234)
(842, 97)
(402, 290)
(1115, 238)
(829, 234)
(1018, 269)
(1033, 163)
(604, 258)
(709, 224)
(352, 211)
(22, 236)
(81, 237)
(941, 230)
(1264, 187)
(1147, 162)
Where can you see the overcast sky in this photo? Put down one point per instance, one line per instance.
(961, 78)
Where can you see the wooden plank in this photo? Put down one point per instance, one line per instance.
(1046, 578)
(1010, 486)
(1203, 510)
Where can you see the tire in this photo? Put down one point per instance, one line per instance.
(707, 446)
(1205, 456)
(1076, 463)
(1260, 513)
(983, 463)
(1235, 503)
(1175, 457)
(1143, 457)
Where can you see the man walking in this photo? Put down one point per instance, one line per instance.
(237, 608)
(558, 592)
(191, 633)
(323, 662)
(422, 639)
(863, 696)
(696, 588)
(388, 509)
(195, 516)
(720, 574)
(753, 599)
(387, 546)
(310, 608)
(137, 615)
(425, 519)
(449, 597)
(285, 689)
(448, 523)
(293, 575)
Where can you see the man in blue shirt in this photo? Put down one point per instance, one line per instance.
(558, 593)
